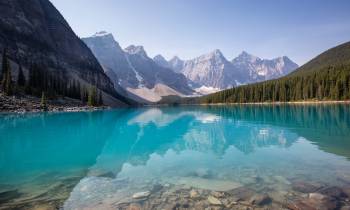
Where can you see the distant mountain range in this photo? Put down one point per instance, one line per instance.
(133, 73)
(36, 39)
(141, 78)
(214, 71)
(34, 33)
(326, 77)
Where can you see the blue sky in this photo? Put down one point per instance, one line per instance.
(300, 29)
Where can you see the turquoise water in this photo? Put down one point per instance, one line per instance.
(89, 158)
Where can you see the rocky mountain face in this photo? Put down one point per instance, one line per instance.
(212, 72)
(33, 31)
(139, 76)
(176, 64)
(263, 69)
(161, 61)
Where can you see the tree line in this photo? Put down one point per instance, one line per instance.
(331, 83)
(42, 83)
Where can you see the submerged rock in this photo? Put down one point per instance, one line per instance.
(214, 201)
(315, 201)
(316, 196)
(218, 194)
(156, 188)
(194, 194)
(305, 187)
(282, 179)
(242, 193)
(261, 200)
(208, 184)
(141, 195)
(9, 195)
(335, 192)
(134, 206)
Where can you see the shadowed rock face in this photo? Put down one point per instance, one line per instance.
(33, 31)
(132, 69)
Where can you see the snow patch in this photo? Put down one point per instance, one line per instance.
(138, 76)
(205, 90)
(101, 33)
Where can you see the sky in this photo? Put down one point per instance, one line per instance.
(299, 29)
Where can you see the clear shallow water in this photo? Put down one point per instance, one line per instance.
(95, 159)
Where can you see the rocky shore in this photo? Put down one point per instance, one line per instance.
(87, 195)
(242, 198)
(304, 196)
(275, 192)
(25, 104)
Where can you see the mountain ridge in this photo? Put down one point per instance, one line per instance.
(136, 73)
(34, 32)
(325, 77)
(213, 70)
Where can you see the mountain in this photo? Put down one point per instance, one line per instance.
(212, 72)
(326, 77)
(160, 60)
(337, 56)
(34, 32)
(263, 69)
(176, 64)
(113, 59)
(138, 76)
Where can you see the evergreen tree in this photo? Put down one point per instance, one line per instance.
(328, 83)
(21, 81)
(43, 103)
(92, 98)
(100, 100)
(7, 80)
(4, 65)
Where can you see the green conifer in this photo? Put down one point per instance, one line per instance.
(100, 99)
(21, 81)
(43, 103)
(4, 65)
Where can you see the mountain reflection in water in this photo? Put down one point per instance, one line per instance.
(112, 154)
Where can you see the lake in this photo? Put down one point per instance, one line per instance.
(190, 157)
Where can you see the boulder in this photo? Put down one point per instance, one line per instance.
(305, 187)
(194, 194)
(141, 195)
(214, 201)
(261, 200)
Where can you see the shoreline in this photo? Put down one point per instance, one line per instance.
(258, 103)
(52, 108)
(55, 110)
(30, 104)
(274, 103)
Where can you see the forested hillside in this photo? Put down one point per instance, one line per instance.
(41, 55)
(326, 77)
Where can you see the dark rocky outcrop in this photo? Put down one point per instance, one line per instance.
(33, 31)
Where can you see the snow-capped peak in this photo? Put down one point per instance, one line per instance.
(136, 50)
(101, 33)
(176, 64)
(214, 56)
(218, 54)
(246, 57)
